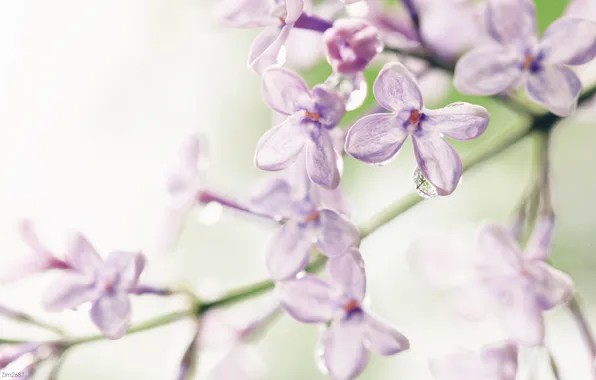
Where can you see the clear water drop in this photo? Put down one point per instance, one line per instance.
(424, 188)
(353, 88)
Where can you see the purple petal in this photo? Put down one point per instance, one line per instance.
(69, 291)
(289, 250)
(335, 233)
(266, 48)
(280, 146)
(344, 355)
(346, 272)
(321, 160)
(29, 236)
(439, 162)
(518, 311)
(284, 90)
(511, 21)
(244, 13)
(329, 105)
(376, 139)
(396, 89)
(128, 266)
(216, 331)
(184, 179)
(552, 286)
(497, 253)
(491, 363)
(569, 41)
(273, 197)
(555, 87)
(293, 10)
(81, 255)
(383, 338)
(470, 301)
(308, 299)
(459, 121)
(487, 70)
(540, 243)
(112, 315)
(243, 362)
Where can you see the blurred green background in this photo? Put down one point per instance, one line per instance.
(94, 97)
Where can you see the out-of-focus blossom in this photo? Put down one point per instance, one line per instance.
(310, 116)
(496, 362)
(376, 139)
(38, 259)
(105, 284)
(23, 359)
(230, 332)
(351, 330)
(492, 276)
(351, 44)
(306, 225)
(451, 27)
(517, 58)
(183, 185)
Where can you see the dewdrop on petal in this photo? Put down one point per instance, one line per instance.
(423, 188)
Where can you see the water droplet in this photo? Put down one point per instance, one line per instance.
(424, 188)
(210, 213)
(353, 88)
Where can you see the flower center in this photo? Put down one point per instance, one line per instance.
(529, 61)
(351, 306)
(415, 117)
(312, 217)
(314, 116)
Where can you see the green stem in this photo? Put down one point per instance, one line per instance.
(143, 326)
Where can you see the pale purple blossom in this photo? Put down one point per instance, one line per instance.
(351, 330)
(376, 139)
(310, 117)
(183, 184)
(491, 276)
(106, 285)
(306, 225)
(517, 58)
(495, 362)
(37, 259)
(351, 44)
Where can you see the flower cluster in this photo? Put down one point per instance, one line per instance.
(487, 276)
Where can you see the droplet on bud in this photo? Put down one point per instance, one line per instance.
(352, 88)
(424, 188)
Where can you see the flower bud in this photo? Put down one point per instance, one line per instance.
(351, 44)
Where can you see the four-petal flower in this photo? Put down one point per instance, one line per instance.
(518, 58)
(352, 331)
(105, 284)
(376, 139)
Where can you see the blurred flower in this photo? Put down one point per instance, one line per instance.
(351, 331)
(310, 116)
(183, 185)
(376, 139)
(105, 285)
(497, 362)
(492, 275)
(23, 359)
(517, 58)
(38, 259)
(305, 226)
(351, 44)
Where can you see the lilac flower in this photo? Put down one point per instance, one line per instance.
(352, 331)
(517, 57)
(493, 276)
(310, 116)
(10, 353)
(306, 225)
(38, 259)
(376, 139)
(105, 284)
(183, 185)
(497, 362)
(351, 44)
(278, 15)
